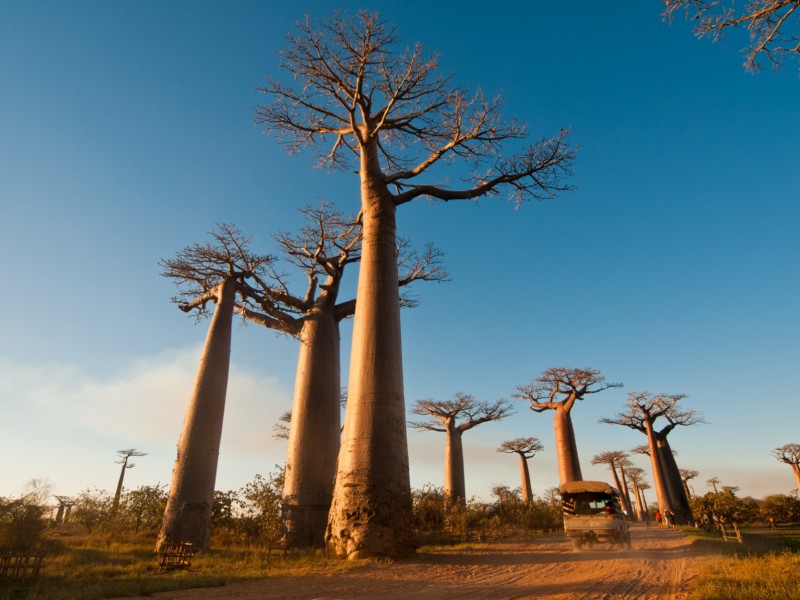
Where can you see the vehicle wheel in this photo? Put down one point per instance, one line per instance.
(576, 545)
(628, 545)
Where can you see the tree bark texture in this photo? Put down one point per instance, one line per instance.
(371, 511)
(314, 432)
(527, 491)
(639, 507)
(455, 487)
(569, 466)
(680, 504)
(662, 497)
(187, 517)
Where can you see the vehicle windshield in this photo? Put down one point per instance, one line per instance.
(587, 504)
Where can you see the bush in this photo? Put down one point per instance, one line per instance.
(22, 519)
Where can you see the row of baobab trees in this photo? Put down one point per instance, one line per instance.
(360, 100)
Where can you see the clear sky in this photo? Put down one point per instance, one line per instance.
(126, 133)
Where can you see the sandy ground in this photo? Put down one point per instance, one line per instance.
(660, 566)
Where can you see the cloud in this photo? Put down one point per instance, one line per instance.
(62, 417)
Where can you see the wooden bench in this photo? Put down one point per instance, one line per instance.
(20, 566)
(176, 556)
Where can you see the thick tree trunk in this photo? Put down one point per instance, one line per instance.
(662, 497)
(681, 506)
(455, 487)
(569, 466)
(686, 489)
(313, 433)
(187, 517)
(527, 491)
(371, 510)
(796, 471)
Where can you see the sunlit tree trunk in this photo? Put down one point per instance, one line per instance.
(371, 509)
(455, 487)
(527, 491)
(626, 495)
(569, 467)
(662, 495)
(623, 491)
(796, 471)
(314, 432)
(187, 517)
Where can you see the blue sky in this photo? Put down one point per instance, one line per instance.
(127, 133)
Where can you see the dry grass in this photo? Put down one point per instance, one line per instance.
(104, 566)
(765, 567)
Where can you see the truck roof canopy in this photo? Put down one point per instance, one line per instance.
(581, 487)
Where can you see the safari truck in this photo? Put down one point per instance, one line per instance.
(592, 514)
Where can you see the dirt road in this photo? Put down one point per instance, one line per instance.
(659, 567)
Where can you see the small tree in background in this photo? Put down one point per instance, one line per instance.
(22, 518)
(125, 456)
(686, 476)
(444, 418)
(525, 448)
(614, 460)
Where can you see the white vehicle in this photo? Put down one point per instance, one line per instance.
(592, 514)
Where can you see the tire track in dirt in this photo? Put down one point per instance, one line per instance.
(659, 567)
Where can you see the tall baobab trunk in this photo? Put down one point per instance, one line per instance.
(796, 471)
(569, 466)
(371, 511)
(309, 476)
(527, 491)
(662, 495)
(455, 487)
(187, 517)
(680, 504)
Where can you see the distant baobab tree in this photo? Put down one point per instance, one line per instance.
(790, 454)
(558, 389)
(636, 477)
(360, 98)
(614, 460)
(125, 456)
(771, 24)
(526, 448)
(321, 251)
(686, 476)
(641, 413)
(208, 274)
(713, 483)
(454, 417)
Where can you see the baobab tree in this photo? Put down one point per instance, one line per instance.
(360, 98)
(208, 275)
(642, 411)
(526, 448)
(686, 476)
(772, 25)
(790, 454)
(321, 251)
(712, 482)
(636, 477)
(454, 417)
(614, 460)
(557, 389)
(125, 456)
